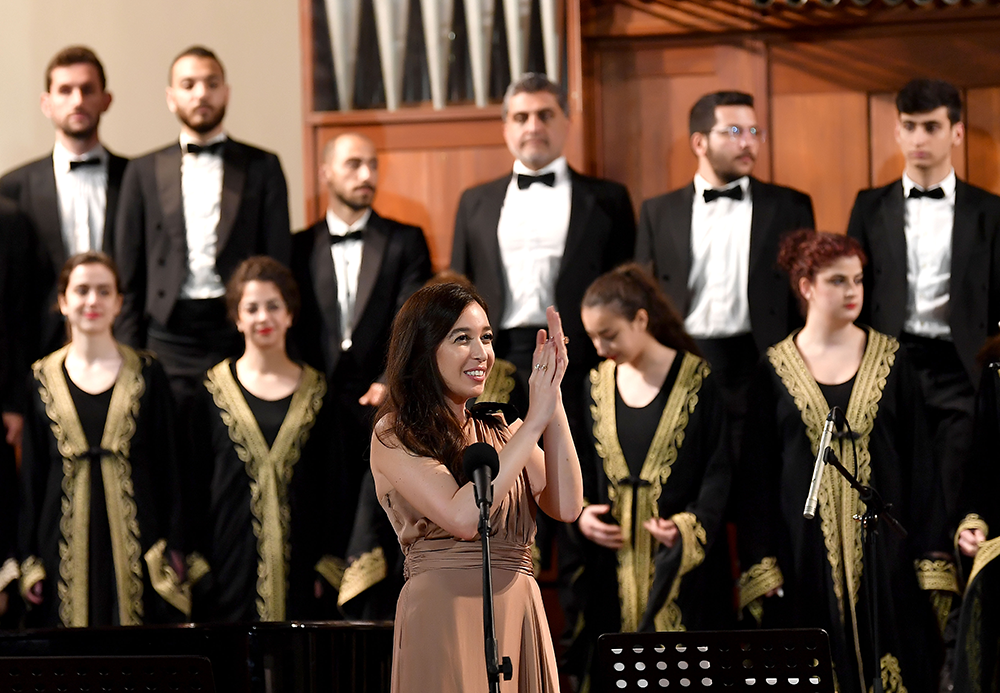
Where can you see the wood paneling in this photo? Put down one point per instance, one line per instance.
(983, 137)
(423, 169)
(646, 94)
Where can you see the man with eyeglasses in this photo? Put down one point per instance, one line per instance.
(713, 244)
(933, 277)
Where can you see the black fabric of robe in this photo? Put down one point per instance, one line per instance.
(155, 489)
(771, 487)
(226, 528)
(699, 483)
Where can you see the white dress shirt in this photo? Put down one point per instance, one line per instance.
(201, 189)
(347, 264)
(83, 198)
(929, 225)
(532, 236)
(720, 263)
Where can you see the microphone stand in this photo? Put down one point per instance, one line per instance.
(875, 509)
(493, 665)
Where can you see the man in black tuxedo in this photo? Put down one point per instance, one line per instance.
(539, 236)
(933, 277)
(355, 269)
(189, 214)
(70, 195)
(14, 240)
(535, 237)
(713, 247)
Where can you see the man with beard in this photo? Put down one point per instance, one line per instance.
(70, 195)
(355, 269)
(189, 214)
(713, 247)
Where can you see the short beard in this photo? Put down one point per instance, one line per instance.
(355, 206)
(80, 135)
(727, 175)
(207, 126)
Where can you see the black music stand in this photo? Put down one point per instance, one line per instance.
(764, 661)
(107, 674)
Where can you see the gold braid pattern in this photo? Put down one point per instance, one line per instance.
(635, 564)
(116, 471)
(270, 472)
(693, 539)
(367, 570)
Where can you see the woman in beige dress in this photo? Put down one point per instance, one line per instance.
(440, 355)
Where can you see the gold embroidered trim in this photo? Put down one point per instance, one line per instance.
(693, 539)
(941, 602)
(197, 568)
(988, 550)
(759, 580)
(9, 572)
(116, 471)
(838, 502)
(331, 569)
(937, 575)
(32, 571)
(165, 580)
(635, 558)
(368, 569)
(499, 384)
(270, 471)
(971, 521)
(892, 677)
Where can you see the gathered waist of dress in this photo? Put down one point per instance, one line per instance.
(426, 555)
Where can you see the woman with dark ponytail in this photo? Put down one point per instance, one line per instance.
(658, 473)
(815, 573)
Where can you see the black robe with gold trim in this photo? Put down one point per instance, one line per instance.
(262, 514)
(819, 562)
(141, 489)
(685, 477)
(977, 660)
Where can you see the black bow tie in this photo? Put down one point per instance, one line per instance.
(82, 163)
(933, 193)
(214, 148)
(356, 235)
(733, 193)
(524, 181)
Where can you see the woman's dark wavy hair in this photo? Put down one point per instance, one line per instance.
(629, 287)
(420, 418)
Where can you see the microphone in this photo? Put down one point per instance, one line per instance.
(481, 463)
(833, 420)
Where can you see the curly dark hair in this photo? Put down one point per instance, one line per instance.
(262, 268)
(805, 252)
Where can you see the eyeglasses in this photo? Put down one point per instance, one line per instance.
(736, 132)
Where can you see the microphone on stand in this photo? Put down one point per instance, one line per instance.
(834, 419)
(481, 463)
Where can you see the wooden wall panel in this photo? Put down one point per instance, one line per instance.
(423, 169)
(983, 137)
(819, 148)
(646, 94)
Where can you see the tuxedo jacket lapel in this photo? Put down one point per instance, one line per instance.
(234, 165)
(168, 187)
(45, 209)
(964, 239)
(892, 217)
(325, 288)
(762, 218)
(486, 221)
(116, 169)
(376, 239)
(581, 209)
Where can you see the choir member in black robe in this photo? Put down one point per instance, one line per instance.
(14, 252)
(262, 502)
(658, 471)
(812, 573)
(977, 653)
(99, 515)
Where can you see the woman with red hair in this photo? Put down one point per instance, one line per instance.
(815, 573)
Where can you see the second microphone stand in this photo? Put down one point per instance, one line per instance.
(494, 667)
(875, 509)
